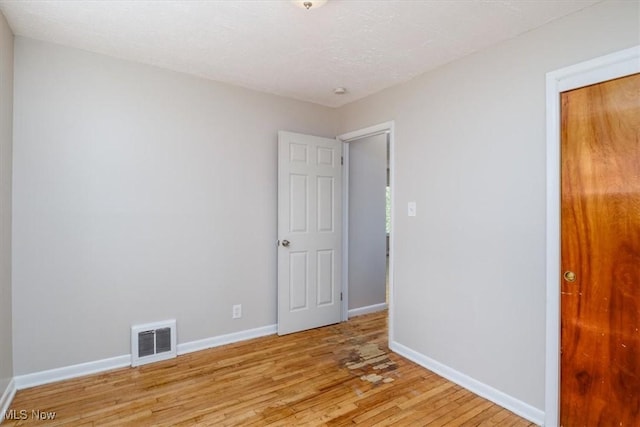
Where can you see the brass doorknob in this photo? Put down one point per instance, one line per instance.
(569, 276)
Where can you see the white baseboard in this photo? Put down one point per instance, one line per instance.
(74, 371)
(514, 405)
(190, 347)
(7, 398)
(368, 309)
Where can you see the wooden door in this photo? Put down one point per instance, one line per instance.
(600, 287)
(309, 232)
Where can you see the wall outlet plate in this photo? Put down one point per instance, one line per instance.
(236, 311)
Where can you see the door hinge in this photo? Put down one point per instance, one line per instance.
(341, 160)
(340, 296)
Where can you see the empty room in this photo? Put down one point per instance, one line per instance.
(342, 212)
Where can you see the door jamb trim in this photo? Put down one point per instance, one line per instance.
(617, 64)
(345, 138)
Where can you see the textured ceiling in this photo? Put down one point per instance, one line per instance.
(276, 47)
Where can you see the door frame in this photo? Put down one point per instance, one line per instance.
(617, 64)
(345, 138)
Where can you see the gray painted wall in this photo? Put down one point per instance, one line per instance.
(367, 235)
(6, 141)
(140, 195)
(470, 150)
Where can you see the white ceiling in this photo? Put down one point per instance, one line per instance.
(276, 47)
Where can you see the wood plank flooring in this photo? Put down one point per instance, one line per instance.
(337, 375)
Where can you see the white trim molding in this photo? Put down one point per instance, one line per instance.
(190, 347)
(6, 399)
(366, 132)
(367, 309)
(82, 369)
(498, 397)
(73, 371)
(615, 65)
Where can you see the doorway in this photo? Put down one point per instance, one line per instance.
(367, 225)
(368, 232)
(313, 233)
(610, 67)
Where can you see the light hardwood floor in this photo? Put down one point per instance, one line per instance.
(336, 375)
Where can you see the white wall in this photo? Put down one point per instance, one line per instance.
(470, 149)
(139, 195)
(6, 140)
(367, 219)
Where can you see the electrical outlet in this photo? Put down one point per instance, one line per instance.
(237, 311)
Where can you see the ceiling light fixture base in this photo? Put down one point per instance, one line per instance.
(309, 4)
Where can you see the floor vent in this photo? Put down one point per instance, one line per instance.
(153, 342)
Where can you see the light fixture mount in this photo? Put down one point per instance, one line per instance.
(308, 4)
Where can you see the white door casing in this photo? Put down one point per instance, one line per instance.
(309, 232)
(611, 66)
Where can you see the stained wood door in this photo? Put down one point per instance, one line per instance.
(309, 232)
(600, 302)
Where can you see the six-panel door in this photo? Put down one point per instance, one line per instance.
(310, 226)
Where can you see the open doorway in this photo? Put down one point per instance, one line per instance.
(368, 231)
(313, 229)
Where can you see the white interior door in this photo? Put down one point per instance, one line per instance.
(309, 232)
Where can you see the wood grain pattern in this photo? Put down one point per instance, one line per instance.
(309, 378)
(600, 317)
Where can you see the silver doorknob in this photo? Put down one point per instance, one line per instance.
(569, 276)
(286, 243)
